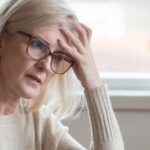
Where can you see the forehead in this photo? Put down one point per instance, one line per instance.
(50, 34)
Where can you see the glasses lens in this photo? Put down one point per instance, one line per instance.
(37, 49)
(60, 63)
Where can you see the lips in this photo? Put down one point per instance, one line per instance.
(35, 78)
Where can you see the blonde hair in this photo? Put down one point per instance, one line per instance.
(20, 15)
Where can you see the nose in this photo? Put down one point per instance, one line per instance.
(44, 64)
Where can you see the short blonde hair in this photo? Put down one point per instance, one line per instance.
(20, 15)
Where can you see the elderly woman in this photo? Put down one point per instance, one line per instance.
(42, 41)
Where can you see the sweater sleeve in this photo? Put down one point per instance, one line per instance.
(105, 130)
(106, 134)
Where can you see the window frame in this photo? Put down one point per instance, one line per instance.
(128, 91)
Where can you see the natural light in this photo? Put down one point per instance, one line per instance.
(120, 40)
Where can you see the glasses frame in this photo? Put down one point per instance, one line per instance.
(50, 53)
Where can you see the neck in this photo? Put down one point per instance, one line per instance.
(8, 101)
(8, 98)
(7, 108)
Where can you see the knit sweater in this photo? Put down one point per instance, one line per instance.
(39, 130)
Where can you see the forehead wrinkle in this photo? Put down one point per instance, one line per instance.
(61, 37)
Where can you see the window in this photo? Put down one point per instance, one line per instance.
(121, 47)
(121, 35)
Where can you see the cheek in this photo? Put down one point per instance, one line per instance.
(14, 60)
(50, 79)
(14, 70)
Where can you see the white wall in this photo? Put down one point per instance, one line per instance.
(134, 124)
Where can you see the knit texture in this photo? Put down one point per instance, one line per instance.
(105, 129)
(42, 131)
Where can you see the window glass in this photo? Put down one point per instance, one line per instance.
(121, 33)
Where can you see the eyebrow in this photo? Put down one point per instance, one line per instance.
(41, 39)
(59, 52)
(36, 37)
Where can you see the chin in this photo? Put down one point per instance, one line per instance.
(29, 92)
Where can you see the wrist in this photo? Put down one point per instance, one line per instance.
(92, 85)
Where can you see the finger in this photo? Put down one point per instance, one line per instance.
(72, 52)
(74, 40)
(88, 31)
(82, 33)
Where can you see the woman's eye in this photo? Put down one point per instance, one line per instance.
(36, 44)
(58, 58)
(61, 56)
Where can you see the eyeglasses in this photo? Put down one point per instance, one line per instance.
(38, 49)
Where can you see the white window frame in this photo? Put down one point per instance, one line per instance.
(128, 91)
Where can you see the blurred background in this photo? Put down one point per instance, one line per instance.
(121, 33)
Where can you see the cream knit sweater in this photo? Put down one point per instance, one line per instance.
(41, 131)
